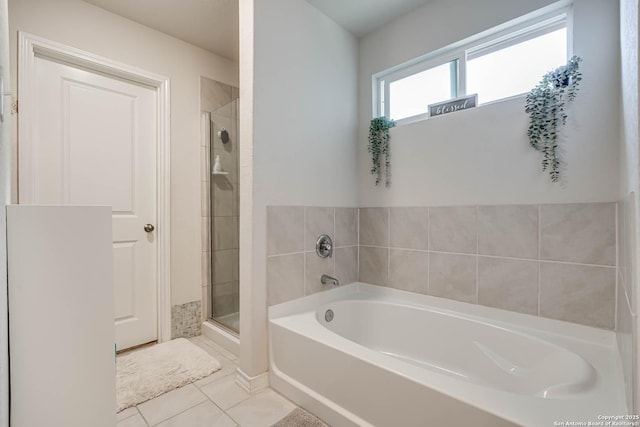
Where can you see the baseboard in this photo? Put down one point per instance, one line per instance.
(252, 384)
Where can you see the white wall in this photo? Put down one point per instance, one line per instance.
(482, 156)
(5, 192)
(84, 26)
(302, 137)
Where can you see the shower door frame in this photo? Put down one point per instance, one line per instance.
(210, 298)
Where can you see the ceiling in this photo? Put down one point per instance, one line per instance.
(213, 24)
(209, 24)
(363, 16)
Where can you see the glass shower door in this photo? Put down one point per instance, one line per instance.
(224, 197)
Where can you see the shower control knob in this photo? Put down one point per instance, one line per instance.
(324, 246)
(149, 228)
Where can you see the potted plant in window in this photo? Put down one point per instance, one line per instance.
(547, 105)
(379, 146)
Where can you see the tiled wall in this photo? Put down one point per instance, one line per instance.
(293, 267)
(220, 195)
(186, 320)
(625, 296)
(555, 261)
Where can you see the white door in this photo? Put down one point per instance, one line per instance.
(94, 143)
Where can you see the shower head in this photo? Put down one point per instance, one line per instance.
(223, 134)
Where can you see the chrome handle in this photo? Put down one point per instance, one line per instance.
(149, 228)
(324, 246)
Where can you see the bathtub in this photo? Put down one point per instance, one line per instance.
(363, 355)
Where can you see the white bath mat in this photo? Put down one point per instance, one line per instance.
(144, 374)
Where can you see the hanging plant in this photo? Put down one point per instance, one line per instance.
(547, 105)
(379, 147)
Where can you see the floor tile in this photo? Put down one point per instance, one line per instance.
(261, 410)
(225, 392)
(134, 421)
(129, 412)
(205, 414)
(170, 404)
(228, 368)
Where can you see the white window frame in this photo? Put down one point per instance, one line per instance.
(531, 25)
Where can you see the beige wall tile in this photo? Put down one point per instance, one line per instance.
(285, 278)
(236, 231)
(228, 152)
(223, 233)
(374, 226)
(205, 237)
(222, 196)
(235, 202)
(374, 263)
(223, 302)
(346, 264)
(205, 268)
(236, 264)
(581, 232)
(317, 221)
(346, 227)
(223, 262)
(452, 276)
(509, 284)
(578, 293)
(408, 228)
(285, 229)
(204, 199)
(206, 302)
(408, 270)
(453, 229)
(213, 94)
(204, 172)
(314, 268)
(509, 231)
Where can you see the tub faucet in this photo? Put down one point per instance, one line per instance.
(328, 280)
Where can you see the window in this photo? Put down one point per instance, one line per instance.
(497, 64)
(410, 94)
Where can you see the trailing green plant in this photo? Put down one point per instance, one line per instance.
(547, 105)
(379, 146)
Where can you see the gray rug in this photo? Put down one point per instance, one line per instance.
(300, 418)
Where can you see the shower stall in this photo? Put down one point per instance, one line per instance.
(221, 257)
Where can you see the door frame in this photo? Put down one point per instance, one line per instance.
(30, 47)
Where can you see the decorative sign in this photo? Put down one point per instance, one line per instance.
(454, 105)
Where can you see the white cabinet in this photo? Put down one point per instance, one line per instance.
(61, 333)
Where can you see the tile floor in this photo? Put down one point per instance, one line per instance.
(213, 401)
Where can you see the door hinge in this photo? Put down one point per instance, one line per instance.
(14, 106)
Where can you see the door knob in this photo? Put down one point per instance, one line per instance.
(149, 228)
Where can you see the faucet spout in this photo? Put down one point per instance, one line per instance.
(328, 280)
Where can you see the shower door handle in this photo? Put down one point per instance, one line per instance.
(149, 228)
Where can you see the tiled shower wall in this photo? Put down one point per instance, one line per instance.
(625, 296)
(293, 267)
(556, 261)
(219, 197)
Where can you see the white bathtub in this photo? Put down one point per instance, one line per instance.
(393, 358)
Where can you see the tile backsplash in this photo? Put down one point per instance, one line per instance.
(293, 268)
(556, 261)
